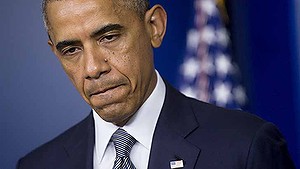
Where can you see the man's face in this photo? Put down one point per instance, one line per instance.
(106, 51)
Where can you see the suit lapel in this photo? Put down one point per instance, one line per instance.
(175, 123)
(79, 146)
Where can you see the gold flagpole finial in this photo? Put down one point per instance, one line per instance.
(223, 10)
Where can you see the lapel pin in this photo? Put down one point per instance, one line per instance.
(176, 164)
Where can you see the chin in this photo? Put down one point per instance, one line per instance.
(116, 113)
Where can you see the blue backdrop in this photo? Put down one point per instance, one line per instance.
(37, 101)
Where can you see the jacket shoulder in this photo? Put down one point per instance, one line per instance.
(217, 117)
(208, 115)
(55, 150)
(251, 141)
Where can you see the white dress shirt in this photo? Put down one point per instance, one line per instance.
(141, 126)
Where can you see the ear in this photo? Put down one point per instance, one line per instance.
(156, 23)
(51, 44)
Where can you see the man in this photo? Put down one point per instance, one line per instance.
(106, 49)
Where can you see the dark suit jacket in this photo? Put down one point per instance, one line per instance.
(202, 135)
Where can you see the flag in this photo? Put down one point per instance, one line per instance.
(208, 72)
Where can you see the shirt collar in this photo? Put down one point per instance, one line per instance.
(141, 126)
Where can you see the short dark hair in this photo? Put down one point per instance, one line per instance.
(139, 6)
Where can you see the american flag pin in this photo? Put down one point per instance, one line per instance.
(176, 164)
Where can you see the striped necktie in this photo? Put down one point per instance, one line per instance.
(123, 143)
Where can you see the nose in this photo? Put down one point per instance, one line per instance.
(95, 64)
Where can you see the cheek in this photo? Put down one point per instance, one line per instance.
(130, 66)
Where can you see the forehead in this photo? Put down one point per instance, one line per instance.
(58, 10)
(76, 15)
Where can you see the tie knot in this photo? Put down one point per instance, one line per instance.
(123, 142)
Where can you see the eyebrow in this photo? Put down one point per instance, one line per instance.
(62, 44)
(106, 28)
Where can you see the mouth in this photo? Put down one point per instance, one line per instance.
(104, 90)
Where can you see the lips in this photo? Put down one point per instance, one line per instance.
(104, 87)
(103, 90)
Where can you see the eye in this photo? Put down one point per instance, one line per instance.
(109, 38)
(70, 51)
